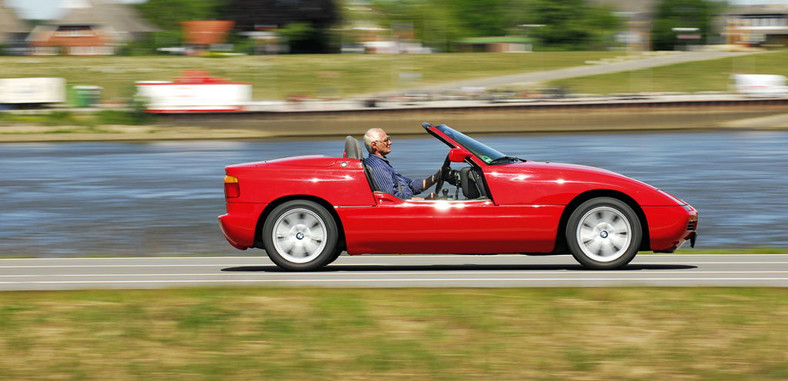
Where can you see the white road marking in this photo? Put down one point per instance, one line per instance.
(251, 257)
(433, 273)
(417, 271)
(378, 264)
(378, 280)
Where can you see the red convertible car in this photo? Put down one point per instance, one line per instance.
(304, 211)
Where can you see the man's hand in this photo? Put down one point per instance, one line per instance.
(429, 181)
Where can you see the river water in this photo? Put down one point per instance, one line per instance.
(69, 199)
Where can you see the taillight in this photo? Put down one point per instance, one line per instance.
(231, 187)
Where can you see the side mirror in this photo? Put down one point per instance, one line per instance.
(458, 155)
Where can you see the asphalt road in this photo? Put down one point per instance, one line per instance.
(392, 271)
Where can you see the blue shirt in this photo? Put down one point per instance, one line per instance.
(390, 181)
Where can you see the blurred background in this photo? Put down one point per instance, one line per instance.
(117, 117)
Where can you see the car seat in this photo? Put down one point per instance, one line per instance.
(353, 151)
(470, 182)
(352, 148)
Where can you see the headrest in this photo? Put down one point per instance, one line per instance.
(353, 148)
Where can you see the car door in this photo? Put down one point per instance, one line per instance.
(476, 226)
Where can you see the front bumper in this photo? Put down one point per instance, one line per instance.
(671, 226)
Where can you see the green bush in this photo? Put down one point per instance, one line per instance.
(58, 118)
(123, 117)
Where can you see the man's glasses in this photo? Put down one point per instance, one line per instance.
(386, 140)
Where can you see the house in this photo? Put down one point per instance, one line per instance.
(501, 44)
(70, 40)
(90, 27)
(204, 33)
(764, 25)
(12, 30)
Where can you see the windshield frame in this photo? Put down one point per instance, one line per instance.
(483, 152)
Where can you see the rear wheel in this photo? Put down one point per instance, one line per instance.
(300, 235)
(604, 233)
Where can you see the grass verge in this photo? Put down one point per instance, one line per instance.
(425, 334)
(84, 119)
(711, 75)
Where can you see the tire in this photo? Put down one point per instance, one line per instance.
(604, 233)
(335, 256)
(300, 235)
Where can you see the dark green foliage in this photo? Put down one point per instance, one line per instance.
(568, 24)
(682, 14)
(305, 23)
(168, 14)
(310, 26)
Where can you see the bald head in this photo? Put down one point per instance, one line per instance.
(373, 134)
(377, 142)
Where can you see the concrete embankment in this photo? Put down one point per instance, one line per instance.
(539, 118)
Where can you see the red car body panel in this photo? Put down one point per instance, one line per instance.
(336, 180)
(444, 227)
(240, 222)
(522, 215)
(535, 183)
(670, 226)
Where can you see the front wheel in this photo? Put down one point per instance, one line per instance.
(604, 233)
(300, 235)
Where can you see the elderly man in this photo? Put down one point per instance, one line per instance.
(388, 179)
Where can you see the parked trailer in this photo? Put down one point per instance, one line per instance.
(760, 85)
(195, 94)
(32, 91)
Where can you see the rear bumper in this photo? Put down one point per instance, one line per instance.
(239, 224)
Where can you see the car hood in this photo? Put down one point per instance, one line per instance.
(566, 168)
(556, 183)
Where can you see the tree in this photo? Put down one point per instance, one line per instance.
(163, 13)
(311, 20)
(568, 24)
(572, 24)
(682, 14)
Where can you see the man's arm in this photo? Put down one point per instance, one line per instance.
(384, 178)
(430, 181)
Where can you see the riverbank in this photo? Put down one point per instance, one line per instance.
(266, 126)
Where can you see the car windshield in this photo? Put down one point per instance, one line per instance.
(482, 151)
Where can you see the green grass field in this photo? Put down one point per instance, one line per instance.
(713, 75)
(402, 334)
(277, 77)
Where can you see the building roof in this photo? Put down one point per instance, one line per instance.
(206, 32)
(120, 17)
(9, 22)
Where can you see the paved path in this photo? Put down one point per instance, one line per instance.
(394, 271)
(578, 71)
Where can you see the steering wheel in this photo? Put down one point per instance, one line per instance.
(439, 182)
